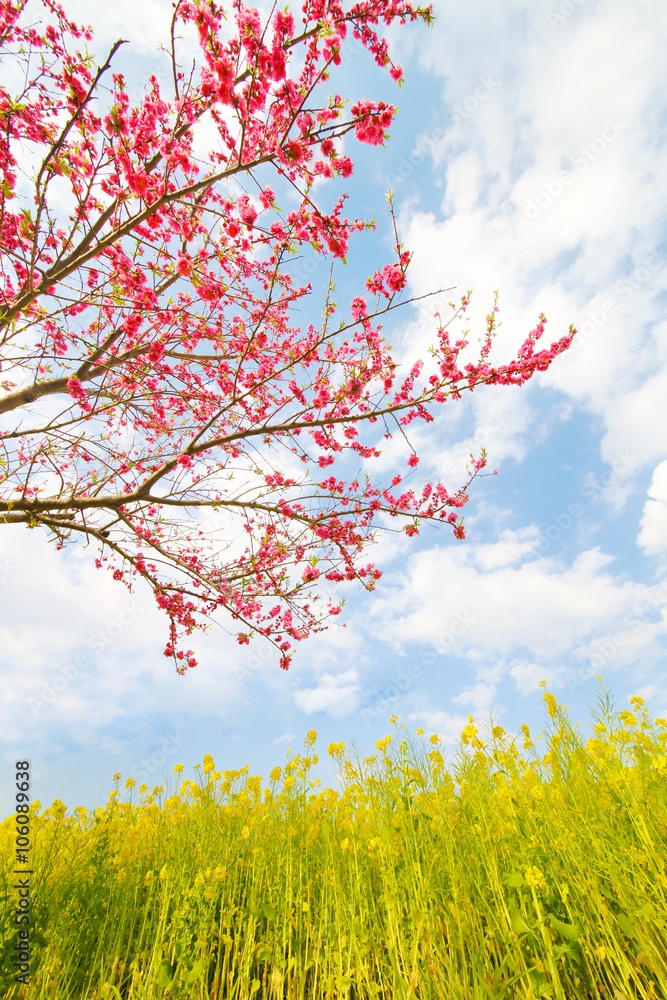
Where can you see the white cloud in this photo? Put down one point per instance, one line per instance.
(145, 25)
(88, 653)
(527, 676)
(336, 695)
(511, 547)
(536, 607)
(653, 534)
(480, 697)
(637, 418)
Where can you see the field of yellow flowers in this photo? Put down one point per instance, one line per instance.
(524, 871)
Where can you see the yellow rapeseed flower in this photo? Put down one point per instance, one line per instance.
(660, 764)
(253, 784)
(178, 769)
(551, 704)
(470, 731)
(345, 845)
(276, 774)
(527, 742)
(117, 775)
(311, 737)
(534, 877)
(434, 739)
(420, 732)
(130, 783)
(209, 764)
(393, 719)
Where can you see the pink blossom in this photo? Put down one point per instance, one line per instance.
(344, 165)
(283, 23)
(295, 151)
(358, 308)
(78, 393)
(156, 352)
(337, 246)
(393, 277)
(267, 197)
(247, 211)
(138, 182)
(374, 121)
(278, 63)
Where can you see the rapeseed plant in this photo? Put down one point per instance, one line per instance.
(523, 871)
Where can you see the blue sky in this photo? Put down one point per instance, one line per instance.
(528, 156)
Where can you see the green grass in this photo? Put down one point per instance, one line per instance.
(535, 870)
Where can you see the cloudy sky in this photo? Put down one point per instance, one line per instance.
(528, 156)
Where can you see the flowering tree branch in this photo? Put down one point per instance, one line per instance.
(156, 394)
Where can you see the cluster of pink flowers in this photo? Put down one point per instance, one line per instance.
(387, 282)
(373, 121)
(78, 393)
(358, 308)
